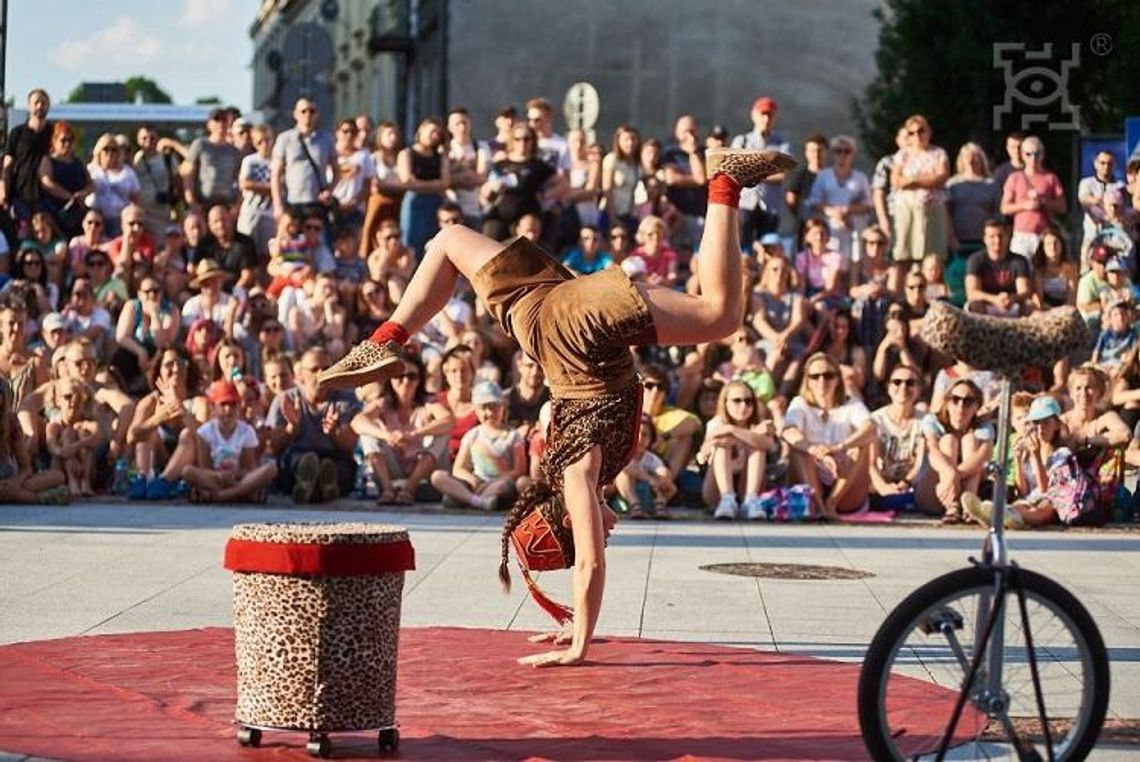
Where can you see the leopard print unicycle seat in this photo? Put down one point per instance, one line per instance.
(1004, 345)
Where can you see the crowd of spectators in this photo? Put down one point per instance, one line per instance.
(166, 310)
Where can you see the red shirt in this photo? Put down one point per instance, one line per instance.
(1017, 185)
(145, 248)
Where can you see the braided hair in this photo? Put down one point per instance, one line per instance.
(611, 421)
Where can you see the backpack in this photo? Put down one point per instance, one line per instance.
(1072, 492)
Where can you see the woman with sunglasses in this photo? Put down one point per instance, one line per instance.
(841, 194)
(91, 238)
(897, 449)
(516, 183)
(30, 269)
(116, 183)
(737, 444)
(147, 324)
(581, 330)
(65, 180)
(958, 447)
(875, 283)
(918, 180)
(830, 435)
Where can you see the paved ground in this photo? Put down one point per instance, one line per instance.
(124, 567)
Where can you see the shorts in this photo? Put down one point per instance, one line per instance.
(400, 464)
(579, 329)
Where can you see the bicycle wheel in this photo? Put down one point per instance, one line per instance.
(919, 659)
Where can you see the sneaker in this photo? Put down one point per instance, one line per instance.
(491, 504)
(367, 362)
(305, 480)
(725, 509)
(983, 512)
(452, 504)
(754, 508)
(747, 166)
(159, 489)
(136, 488)
(328, 485)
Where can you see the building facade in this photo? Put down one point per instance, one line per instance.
(649, 60)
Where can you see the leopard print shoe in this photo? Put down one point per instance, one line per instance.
(367, 362)
(747, 166)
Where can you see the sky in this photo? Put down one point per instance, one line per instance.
(191, 48)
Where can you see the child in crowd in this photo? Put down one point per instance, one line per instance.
(19, 483)
(491, 464)
(350, 270)
(935, 276)
(1117, 337)
(645, 484)
(226, 466)
(290, 260)
(72, 434)
(747, 364)
(1119, 286)
(738, 441)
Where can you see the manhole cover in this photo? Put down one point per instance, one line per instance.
(787, 571)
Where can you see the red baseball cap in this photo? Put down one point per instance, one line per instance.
(764, 105)
(222, 391)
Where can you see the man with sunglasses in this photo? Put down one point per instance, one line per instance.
(302, 164)
(211, 168)
(1034, 197)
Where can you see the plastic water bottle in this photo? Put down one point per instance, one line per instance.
(799, 501)
(121, 479)
(770, 503)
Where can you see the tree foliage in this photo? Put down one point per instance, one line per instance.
(137, 87)
(937, 59)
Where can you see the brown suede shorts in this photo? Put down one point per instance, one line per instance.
(579, 329)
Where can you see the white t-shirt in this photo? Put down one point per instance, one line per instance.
(225, 453)
(193, 309)
(113, 190)
(469, 155)
(77, 323)
(841, 422)
(352, 172)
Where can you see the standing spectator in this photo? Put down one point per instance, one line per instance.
(158, 180)
(210, 172)
(232, 250)
(997, 281)
(354, 177)
(1033, 197)
(830, 439)
(311, 435)
(240, 134)
(26, 147)
(842, 195)
(552, 147)
(621, 173)
(65, 181)
(1013, 162)
(469, 162)
(506, 118)
(797, 191)
(515, 183)
(387, 195)
(684, 165)
(254, 176)
(425, 171)
(116, 184)
(302, 164)
(918, 177)
(972, 198)
(1091, 193)
(762, 206)
(584, 188)
(882, 191)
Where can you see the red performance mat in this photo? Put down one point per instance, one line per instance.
(171, 695)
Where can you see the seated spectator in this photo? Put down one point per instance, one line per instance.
(391, 263)
(227, 467)
(676, 428)
(836, 338)
(747, 365)
(403, 434)
(958, 447)
(830, 436)
(935, 275)
(475, 344)
(588, 257)
(1126, 388)
(73, 434)
(620, 240)
(29, 272)
(110, 290)
(351, 270)
(897, 449)
(19, 481)
(170, 266)
(230, 364)
(653, 250)
(314, 315)
(132, 252)
(1117, 339)
(780, 315)
(312, 438)
(82, 245)
(491, 465)
(372, 307)
(1054, 274)
(290, 258)
(85, 318)
(997, 280)
(48, 241)
(146, 325)
(874, 284)
(458, 382)
(822, 269)
(1092, 283)
(529, 393)
(164, 421)
(1119, 286)
(234, 252)
(441, 332)
(1092, 429)
(645, 485)
(738, 441)
(986, 380)
(898, 348)
(211, 303)
(1117, 231)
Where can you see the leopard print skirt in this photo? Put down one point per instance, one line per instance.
(317, 653)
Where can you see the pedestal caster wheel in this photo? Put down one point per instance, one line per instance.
(249, 736)
(389, 739)
(319, 746)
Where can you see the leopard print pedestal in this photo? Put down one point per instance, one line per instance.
(317, 653)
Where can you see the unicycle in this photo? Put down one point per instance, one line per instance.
(989, 661)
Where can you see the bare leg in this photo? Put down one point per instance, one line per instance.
(754, 472)
(969, 447)
(454, 488)
(185, 454)
(721, 467)
(262, 476)
(853, 485)
(803, 470)
(425, 464)
(382, 475)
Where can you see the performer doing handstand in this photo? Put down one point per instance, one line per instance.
(580, 331)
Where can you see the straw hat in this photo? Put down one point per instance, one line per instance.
(208, 269)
